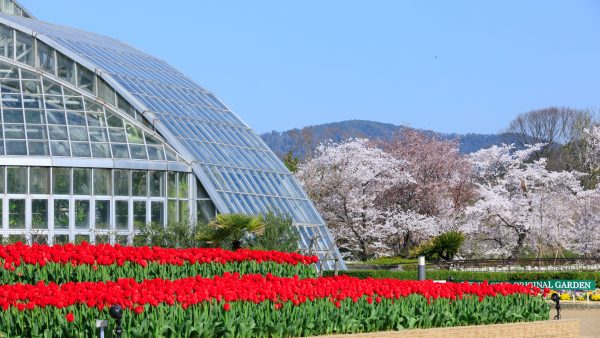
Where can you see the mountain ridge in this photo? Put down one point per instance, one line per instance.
(303, 141)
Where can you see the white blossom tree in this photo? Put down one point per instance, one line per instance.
(585, 240)
(592, 152)
(434, 200)
(521, 204)
(344, 181)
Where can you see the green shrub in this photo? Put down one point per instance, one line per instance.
(444, 246)
(388, 261)
(174, 235)
(279, 234)
(231, 231)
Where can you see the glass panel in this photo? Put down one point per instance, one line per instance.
(205, 210)
(81, 149)
(60, 148)
(134, 135)
(102, 182)
(61, 181)
(12, 115)
(172, 211)
(82, 214)
(16, 214)
(95, 119)
(40, 180)
(122, 214)
(102, 239)
(7, 42)
(41, 239)
(102, 214)
(82, 238)
(93, 106)
(35, 116)
(113, 120)
(32, 102)
(11, 100)
(39, 214)
(120, 151)
(156, 153)
(16, 148)
(16, 180)
(76, 118)
(125, 106)
(157, 183)
(100, 150)
(98, 135)
(1, 182)
(121, 182)
(24, 49)
(184, 211)
(46, 58)
(33, 87)
(10, 86)
(117, 135)
(172, 184)
(183, 185)
(14, 131)
(156, 212)
(73, 102)
(57, 117)
(139, 183)
(105, 92)
(16, 238)
(82, 181)
(36, 132)
(66, 68)
(85, 79)
(138, 152)
(200, 191)
(61, 214)
(122, 240)
(61, 239)
(53, 88)
(39, 148)
(139, 214)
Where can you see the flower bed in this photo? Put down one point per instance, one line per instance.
(256, 305)
(593, 296)
(85, 262)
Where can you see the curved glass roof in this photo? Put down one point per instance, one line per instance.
(41, 117)
(238, 170)
(13, 7)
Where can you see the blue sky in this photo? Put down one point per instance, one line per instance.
(450, 66)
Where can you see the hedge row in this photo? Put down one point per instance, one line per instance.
(468, 275)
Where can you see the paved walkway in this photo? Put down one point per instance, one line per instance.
(589, 320)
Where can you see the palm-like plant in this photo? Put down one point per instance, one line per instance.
(231, 227)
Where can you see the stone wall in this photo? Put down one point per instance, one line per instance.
(546, 329)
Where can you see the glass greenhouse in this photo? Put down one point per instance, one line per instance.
(97, 137)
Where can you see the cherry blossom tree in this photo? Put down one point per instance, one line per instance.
(521, 204)
(434, 200)
(592, 153)
(441, 174)
(585, 239)
(344, 181)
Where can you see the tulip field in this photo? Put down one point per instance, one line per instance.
(60, 291)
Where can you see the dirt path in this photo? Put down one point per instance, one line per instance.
(589, 320)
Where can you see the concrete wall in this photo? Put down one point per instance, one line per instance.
(546, 329)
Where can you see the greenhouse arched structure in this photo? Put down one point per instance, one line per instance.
(97, 137)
